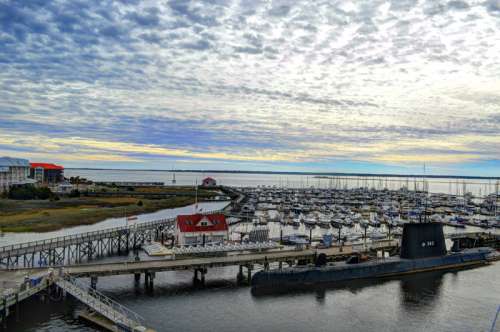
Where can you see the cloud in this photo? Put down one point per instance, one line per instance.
(251, 81)
(150, 17)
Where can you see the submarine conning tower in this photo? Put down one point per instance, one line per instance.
(422, 240)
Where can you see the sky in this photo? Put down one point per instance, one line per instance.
(329, 86)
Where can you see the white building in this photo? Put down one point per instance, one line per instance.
(199, 229)
(13, 171)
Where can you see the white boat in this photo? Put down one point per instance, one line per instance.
(310, 221)
(156, 249)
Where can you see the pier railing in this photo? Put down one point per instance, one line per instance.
(101, 303)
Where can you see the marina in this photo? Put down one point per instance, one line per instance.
(268, 228)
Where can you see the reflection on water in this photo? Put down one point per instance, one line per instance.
(422, 289)
(463, 300)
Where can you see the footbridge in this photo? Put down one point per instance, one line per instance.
(78, 248)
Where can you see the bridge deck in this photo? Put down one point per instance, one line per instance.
(208, 262)
(184, 264)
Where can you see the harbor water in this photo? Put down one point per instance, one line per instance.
(455, 301)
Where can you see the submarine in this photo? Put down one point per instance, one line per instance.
(422, 249)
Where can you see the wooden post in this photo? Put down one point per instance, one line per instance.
(240, 277)
(151, 280)
(249, 274)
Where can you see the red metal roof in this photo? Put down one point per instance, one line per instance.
(189, 223)
(46, 166)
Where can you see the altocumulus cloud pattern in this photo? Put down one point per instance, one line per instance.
(332, 85)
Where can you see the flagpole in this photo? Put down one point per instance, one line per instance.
(196, 198)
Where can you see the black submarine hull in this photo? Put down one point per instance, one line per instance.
(303, 276)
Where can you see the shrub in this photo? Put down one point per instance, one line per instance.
(43, 193)
(29, 192)
(139, 203)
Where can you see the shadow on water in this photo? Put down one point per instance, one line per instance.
(34, 312)
(416, 289)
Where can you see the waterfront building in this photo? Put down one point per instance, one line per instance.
(209, 182)
(13, 172)
(47, 173)
(199, 229)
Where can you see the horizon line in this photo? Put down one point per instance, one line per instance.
(444, 176)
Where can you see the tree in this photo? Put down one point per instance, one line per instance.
(74, 193)
(29, 192)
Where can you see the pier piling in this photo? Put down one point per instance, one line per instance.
(93, 282)
(239, 276)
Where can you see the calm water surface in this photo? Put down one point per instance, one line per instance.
(463, 300)
(478, 187)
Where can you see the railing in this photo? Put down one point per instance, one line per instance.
(226, 248)
(19, 295)
(71, 238)
(101, 303)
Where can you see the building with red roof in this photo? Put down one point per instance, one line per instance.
(200, 229)
(209, 182)
(47, 173)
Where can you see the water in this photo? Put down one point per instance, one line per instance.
(456, 301)
(478, 187)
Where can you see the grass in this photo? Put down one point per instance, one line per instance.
(44, 216)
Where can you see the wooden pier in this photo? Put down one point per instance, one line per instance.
(78, 248)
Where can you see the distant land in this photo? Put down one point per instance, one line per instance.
(294, 173)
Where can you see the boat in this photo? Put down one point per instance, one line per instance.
(156, 249)
(324, 222)
(422, 249)
(310, 221)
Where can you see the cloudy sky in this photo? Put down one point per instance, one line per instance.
(363, 86)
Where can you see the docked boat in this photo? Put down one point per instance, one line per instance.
(310, 221)
(422, 249)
